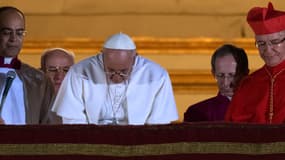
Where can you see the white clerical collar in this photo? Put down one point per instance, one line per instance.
(7, 60)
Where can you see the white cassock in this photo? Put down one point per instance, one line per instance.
(83, 94)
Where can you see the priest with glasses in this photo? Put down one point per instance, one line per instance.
(116, 87)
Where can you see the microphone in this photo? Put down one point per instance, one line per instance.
(10, 77)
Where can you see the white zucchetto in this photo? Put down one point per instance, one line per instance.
(120, 41)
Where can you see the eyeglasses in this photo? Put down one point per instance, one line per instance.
(7, 32)
(122, 74)
(223, 76)
(274, 42)
(57, 69)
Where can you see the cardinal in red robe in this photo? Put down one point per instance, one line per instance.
(260, 97)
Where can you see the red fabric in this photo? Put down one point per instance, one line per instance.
(142, 135)
(266, 20)
(139, 135)
(251, 100)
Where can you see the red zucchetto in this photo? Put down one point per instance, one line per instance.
(266, 20)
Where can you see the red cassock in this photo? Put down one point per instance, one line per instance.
(260, 97)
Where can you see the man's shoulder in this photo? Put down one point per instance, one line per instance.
(87, 63)
(257, 72)
(200, 110)
(142, 61)
(30, 72)
(254, 77)
(150, 67)
(205, 103)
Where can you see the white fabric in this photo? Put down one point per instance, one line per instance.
(120, 41)
(13, 111)
(114, 107)
(7, 60)
(149, 97)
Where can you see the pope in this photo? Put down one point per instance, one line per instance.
(116, 87)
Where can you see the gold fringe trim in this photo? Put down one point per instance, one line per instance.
(143, 150)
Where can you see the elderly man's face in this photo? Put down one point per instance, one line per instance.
(118, 64)
(57, 65)
(12, 30)
(225, 74)
(271, 48)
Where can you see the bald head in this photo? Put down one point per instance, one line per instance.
(58, 53)
(11, 9)
(12, 31)
(55, 63)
